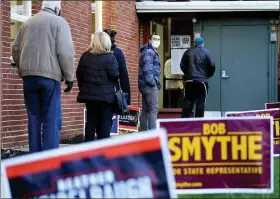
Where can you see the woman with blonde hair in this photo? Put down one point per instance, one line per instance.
(97, 76)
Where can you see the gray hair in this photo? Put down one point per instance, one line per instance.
(100, 43)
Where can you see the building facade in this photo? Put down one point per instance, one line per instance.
(239, 34)
(117, 14)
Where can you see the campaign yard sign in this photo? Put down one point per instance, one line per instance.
(130, 121)
(272, 105)
(221, 155)
(115, 125)
(129, 166)
(275, 113)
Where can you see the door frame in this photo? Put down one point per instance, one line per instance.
(272, 47)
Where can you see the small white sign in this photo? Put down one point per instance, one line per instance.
(180, 41)
(176, 56)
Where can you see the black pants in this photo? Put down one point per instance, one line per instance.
(195, 93)
(99, 120)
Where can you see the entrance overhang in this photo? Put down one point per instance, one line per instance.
(206, 6)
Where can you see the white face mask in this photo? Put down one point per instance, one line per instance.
(155, 44)
(155, 41)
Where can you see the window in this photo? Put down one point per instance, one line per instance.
(20, 12)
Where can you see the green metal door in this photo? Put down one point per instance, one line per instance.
(212, 42)
(244, 67)
(241, 53)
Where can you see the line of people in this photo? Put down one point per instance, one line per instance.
(43, 52)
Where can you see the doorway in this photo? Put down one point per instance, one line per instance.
(241, 53)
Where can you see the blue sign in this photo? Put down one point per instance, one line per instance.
(115, 124)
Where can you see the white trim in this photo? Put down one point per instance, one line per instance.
(206, 6)
(251, 111)
(93, 7)
(17, 17)
(27, 10)
(98, 15)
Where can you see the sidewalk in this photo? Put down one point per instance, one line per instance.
(26, 148)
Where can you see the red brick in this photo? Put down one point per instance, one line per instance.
(120, 15)
(124, 19)
(13, 113)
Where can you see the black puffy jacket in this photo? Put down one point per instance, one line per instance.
(197, 64)
(97, 76)
(124, 79)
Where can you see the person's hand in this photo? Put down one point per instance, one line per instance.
(69, 86)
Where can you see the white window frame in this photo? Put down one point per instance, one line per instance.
(27, 5)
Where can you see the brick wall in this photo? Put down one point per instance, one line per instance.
(1, 50)
(36, 6)
(78, 15)
(13, 114)
(121, 15)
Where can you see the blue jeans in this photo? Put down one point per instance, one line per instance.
(42, 97)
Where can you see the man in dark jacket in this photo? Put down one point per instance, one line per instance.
(149, 82)
(197, 66)
(124, 78)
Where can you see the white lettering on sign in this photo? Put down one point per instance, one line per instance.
(102, 185)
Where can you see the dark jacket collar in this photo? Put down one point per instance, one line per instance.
(113, 46)
(48, 10)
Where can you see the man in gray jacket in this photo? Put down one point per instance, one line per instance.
(43, 52)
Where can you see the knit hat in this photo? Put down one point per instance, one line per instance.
(198, 41)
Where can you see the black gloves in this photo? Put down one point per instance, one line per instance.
(69, 86)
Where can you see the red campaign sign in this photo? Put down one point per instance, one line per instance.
(129, 166)
(130, 121)
(275, 113)
(221, 155)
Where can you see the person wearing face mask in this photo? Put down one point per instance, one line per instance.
(198, 66)
(43, 53)
(149, 82)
